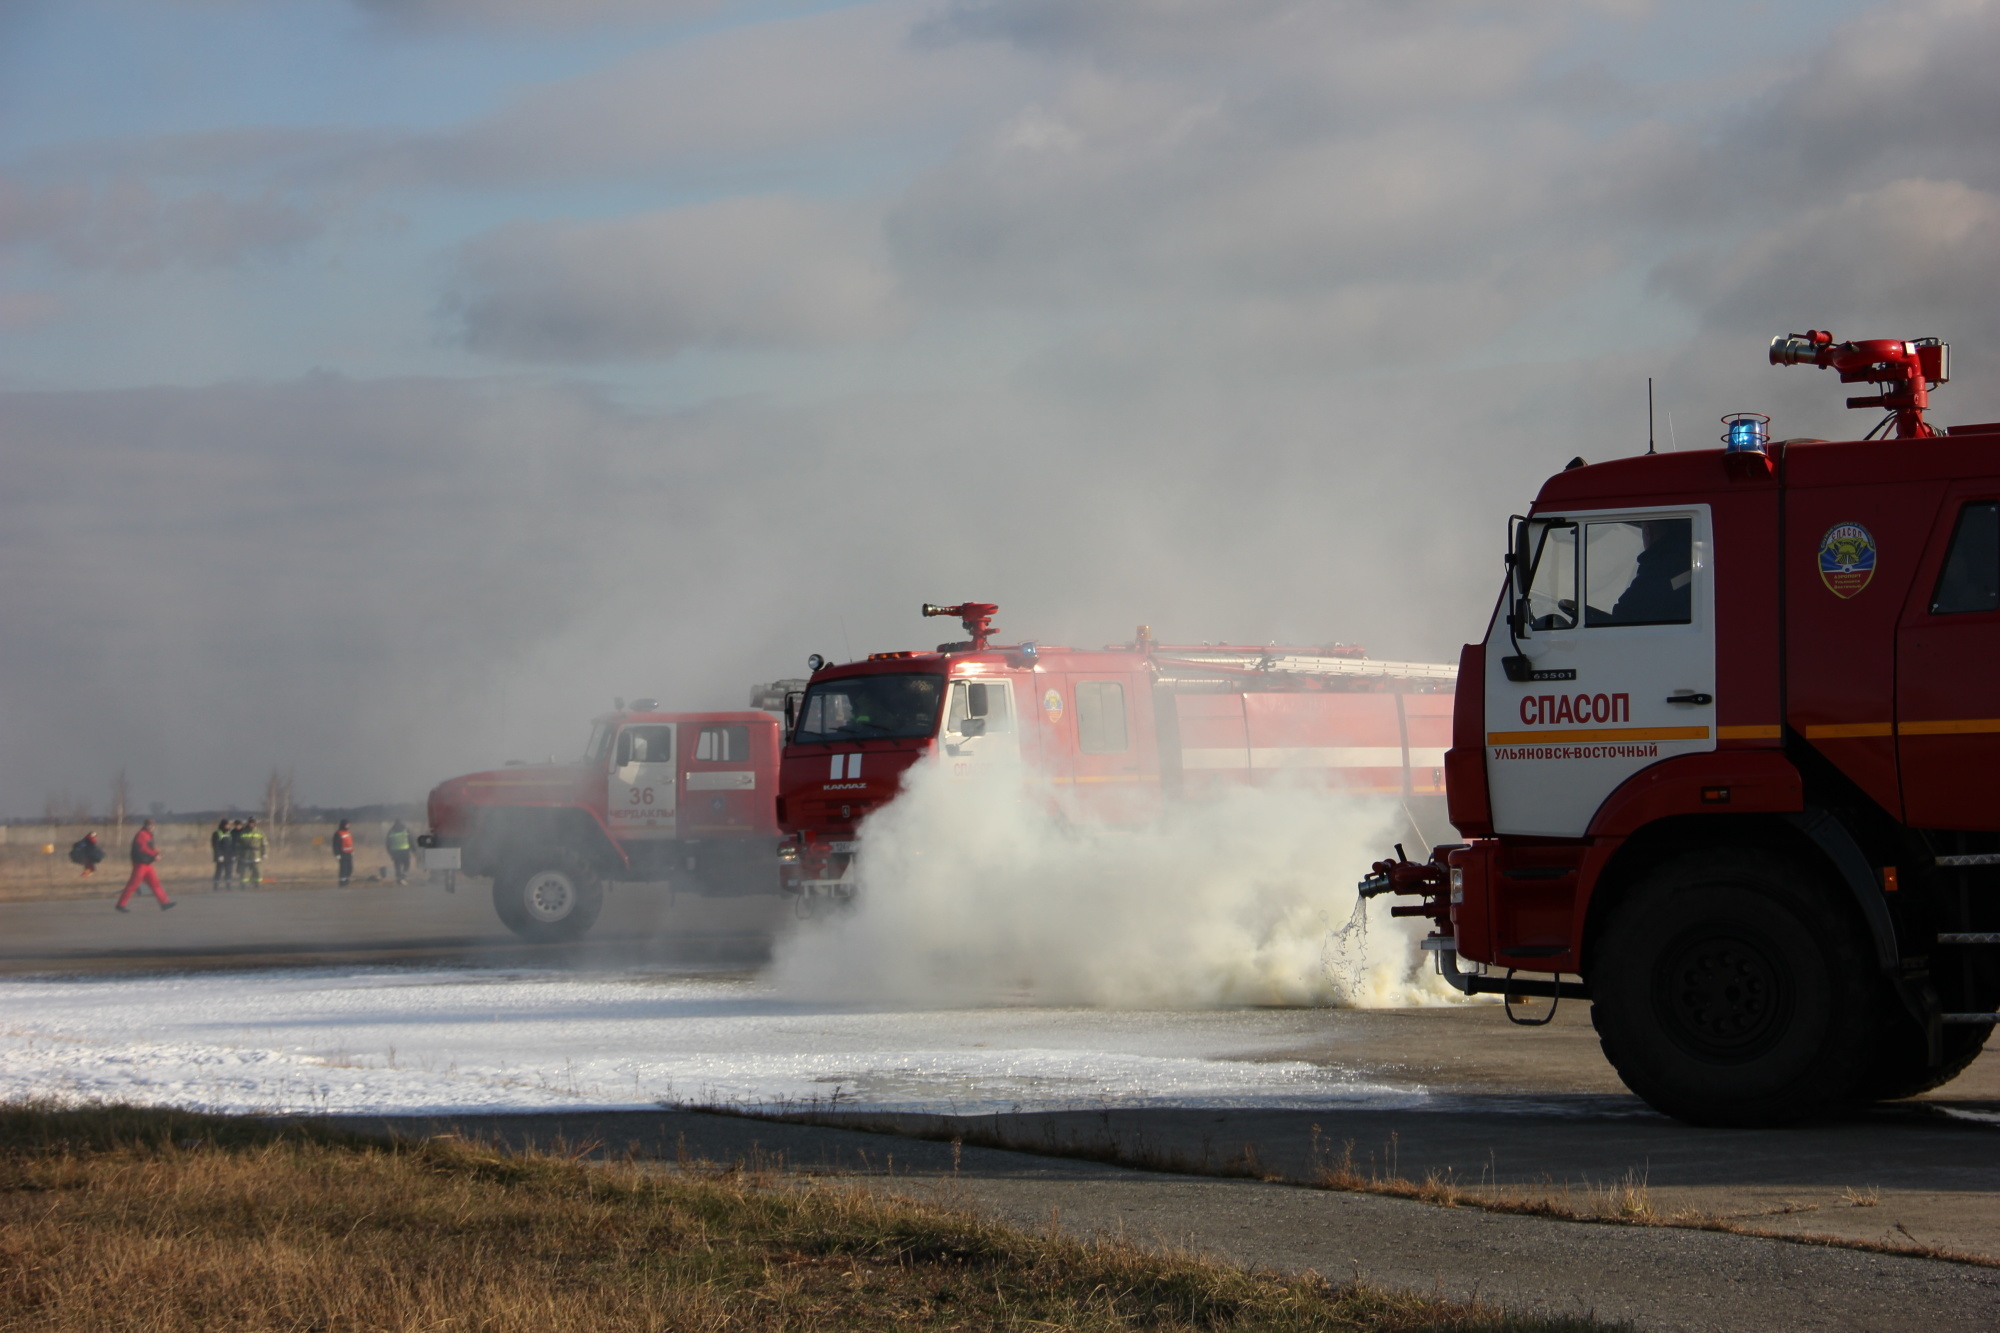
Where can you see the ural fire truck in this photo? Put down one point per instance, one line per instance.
(681, 798)
(1729, 753)
(1106, 736)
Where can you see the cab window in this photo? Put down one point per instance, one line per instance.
(1100, 717)
(1551, 560)
(987, 705)
(1639, 572)
(648, 744)
(723, 745)
(1971, 577)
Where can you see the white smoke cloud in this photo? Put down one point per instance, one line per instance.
(974, 894)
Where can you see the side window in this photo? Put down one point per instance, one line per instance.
(1552, 580)
(646, 744)
(1640, 572)
(1100, 716)
(988, 704)
(723, 745)
(1971, 577)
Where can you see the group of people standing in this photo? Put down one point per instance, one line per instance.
(238, 849)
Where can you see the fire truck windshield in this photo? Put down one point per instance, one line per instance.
(600, 739)
(870, 708)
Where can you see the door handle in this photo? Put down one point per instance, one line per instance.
(1690, 698)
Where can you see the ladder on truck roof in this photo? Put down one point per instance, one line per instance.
(1241, 662)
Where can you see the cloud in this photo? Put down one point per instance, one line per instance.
(754, 272)
(433, 14)
(126, 225)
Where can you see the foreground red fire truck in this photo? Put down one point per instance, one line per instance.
(1728, 753)
(1106, 736)
(679, 798)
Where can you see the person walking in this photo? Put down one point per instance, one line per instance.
(235, 879)
(250, 853)
(343, 847)
(222, 847)
(144, 853)
(397, 843)
(86, 853)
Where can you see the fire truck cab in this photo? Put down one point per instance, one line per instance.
(1111, 736)
(1729, 753)
(684, 799)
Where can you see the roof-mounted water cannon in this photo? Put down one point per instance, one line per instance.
(976, 617)
(1905, 372)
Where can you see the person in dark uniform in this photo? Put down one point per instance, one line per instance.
(1662, 588)
(222, 847)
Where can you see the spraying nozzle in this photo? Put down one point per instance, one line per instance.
(1904, 371)
(976, 617)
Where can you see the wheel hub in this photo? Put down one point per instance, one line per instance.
(549, 896)
(1721, 997)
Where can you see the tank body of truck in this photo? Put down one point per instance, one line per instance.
(1112, 736)
(682, 798)
(1754, 805)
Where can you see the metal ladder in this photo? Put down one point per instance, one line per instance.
(1971, 861)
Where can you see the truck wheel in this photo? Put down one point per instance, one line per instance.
(548, 901)
(1731, 990)
(1899, 1067)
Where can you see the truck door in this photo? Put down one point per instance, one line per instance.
(1115, 771)
(1947, 689)
(1619, 639)
(639, 799)
(979, 729)
(721, 783)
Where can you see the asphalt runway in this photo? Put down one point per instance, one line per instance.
(1463, 1098)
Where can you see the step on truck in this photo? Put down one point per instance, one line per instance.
(681, 799)
(1108, 736)
(1727, 761)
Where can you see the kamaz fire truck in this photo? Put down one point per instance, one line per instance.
(1105, 736)
(1729, 754)
(684, 799)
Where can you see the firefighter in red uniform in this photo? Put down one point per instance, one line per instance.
(343, 847)
(144, 853)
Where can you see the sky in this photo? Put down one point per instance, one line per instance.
(386, 385)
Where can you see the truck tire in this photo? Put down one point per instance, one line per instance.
(1900, 1067)
(549, 899)
(1731, 989)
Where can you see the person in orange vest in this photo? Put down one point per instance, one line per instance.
(343, 847)
(144, 853)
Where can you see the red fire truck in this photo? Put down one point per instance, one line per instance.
(1112, 735)
(681, 798)
(1729, 753)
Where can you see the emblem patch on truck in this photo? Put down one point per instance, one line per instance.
(1052, 705)
(1846, 558)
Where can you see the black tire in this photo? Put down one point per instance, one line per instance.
(548, 900)
(1900, 1066)
(1732, 988)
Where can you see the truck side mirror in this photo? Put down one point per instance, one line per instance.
(972, 726)
(975, 702)
(793, 699)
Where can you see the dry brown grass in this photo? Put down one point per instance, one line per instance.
(116, 1219)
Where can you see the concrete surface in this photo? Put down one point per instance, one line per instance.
(1656, 1278)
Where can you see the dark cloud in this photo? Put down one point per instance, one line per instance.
(738, 273)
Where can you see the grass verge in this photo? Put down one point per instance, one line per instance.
(156, 1221)
(1626, 1201)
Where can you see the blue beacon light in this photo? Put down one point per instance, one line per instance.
(1747, 432)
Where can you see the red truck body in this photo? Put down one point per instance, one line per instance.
(1758, 816)
(1105, 736)
(686, 799)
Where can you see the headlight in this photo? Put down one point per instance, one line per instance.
(1457, 885)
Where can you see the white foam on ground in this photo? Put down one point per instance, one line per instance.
(426, 1042)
